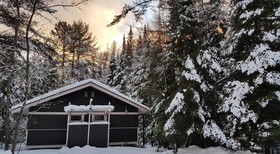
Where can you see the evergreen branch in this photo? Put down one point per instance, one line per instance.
(128, 8)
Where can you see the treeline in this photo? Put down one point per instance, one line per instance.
(208, 69)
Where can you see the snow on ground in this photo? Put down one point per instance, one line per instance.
(128, 150)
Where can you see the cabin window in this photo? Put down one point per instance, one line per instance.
(92, 94)
(79, 118)
(86, 118)
(85, 94)
(76, 118)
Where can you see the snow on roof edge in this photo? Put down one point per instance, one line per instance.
(66, 88)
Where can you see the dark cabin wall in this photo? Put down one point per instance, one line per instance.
(47, 130)
(78, 98)
(123, 128)
(47, 122)
(124, 121)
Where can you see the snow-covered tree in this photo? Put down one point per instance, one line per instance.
(112, 64)
(120, 78)
(251, 96)
(102, 64)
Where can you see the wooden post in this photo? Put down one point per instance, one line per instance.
(89, 119)
(143, 130)
(109, 123)
(68, 121)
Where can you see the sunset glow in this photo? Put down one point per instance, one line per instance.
(98, 14)
(98, 17)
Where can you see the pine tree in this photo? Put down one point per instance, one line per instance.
(128, 62)
(129, 51)
(194, 68)
(139, 80)
(78, 48)
(119, 81)
(102, 60)
(81, 41)
(61, 40)
(112, 64)
(251, 96)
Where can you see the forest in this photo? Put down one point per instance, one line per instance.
(208, 69)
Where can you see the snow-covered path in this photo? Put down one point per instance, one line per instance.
(128, 150)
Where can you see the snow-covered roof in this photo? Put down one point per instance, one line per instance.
(78, 86)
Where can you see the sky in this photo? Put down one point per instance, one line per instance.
(99, 13)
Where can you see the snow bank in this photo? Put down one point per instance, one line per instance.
(5, 152)
(130, 150)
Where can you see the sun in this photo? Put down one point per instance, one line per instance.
(99, 17)
(118, 38)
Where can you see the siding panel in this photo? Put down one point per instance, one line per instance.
(47, 122)
(124, 120)
(46, 137)
(77, 135)
(123, 135)
(98, 135)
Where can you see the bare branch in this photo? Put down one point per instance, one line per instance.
(73, 4)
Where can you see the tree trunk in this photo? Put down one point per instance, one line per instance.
(63, 61)
(27, 75)
(143, 129)
(6, 118)
(73, 64)
(8, 84)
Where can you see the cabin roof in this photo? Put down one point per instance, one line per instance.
(78, 86)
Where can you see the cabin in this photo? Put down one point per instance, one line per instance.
(83, 113)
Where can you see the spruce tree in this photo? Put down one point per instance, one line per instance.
(190, 97)
(251, 96)
(112, 64)
(119, 81)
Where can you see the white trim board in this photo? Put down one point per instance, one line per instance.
(44, 146)
(123, 143)
(45, 129)
(124, 113)
(48, 113)
(81, 113)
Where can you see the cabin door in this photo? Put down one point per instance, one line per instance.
(87, 129)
